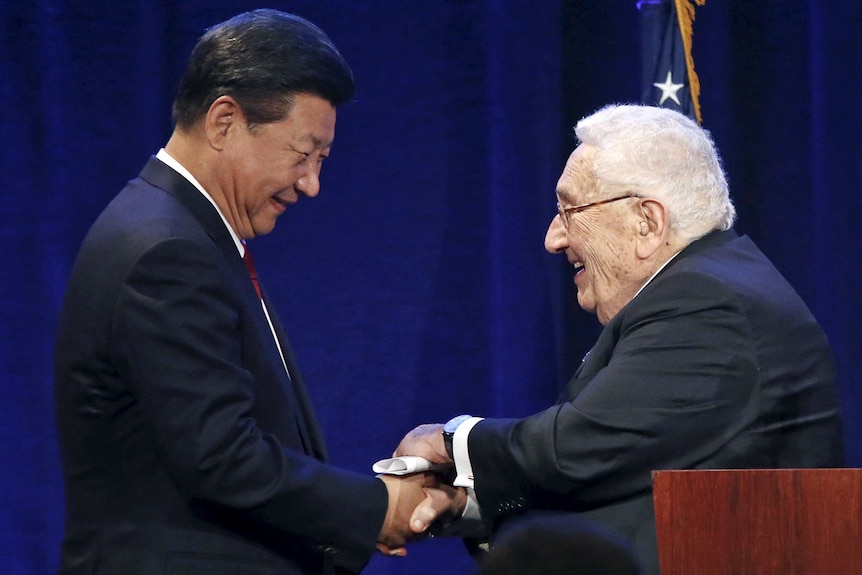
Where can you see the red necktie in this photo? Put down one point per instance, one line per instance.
(252, 272)
(300, 425)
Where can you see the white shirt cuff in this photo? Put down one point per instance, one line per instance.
(472, 511)
(461, 454)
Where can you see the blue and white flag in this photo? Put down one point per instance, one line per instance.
(669, 79)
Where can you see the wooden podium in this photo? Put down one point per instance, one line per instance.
(759, 521)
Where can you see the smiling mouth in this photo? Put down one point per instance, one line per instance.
(279, 201)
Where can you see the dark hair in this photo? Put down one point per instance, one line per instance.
(558, 544)
(262, 59)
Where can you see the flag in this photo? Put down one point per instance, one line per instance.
(669, 79)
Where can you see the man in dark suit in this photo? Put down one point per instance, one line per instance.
(707, 359)
(187, 439)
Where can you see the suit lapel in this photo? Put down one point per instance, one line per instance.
(162, 176)
(600, 355)
(306, 418)
(595, 359)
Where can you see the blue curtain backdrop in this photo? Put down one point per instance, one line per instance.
(415, 287)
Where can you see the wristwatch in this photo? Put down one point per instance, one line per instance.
(449, 432)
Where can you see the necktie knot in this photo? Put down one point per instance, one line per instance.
(252, 272)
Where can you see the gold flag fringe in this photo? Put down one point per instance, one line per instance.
(685, 16)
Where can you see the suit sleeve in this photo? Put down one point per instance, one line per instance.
(177, 339)
(681, 382)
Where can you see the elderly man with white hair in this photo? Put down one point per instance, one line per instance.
(708, 357)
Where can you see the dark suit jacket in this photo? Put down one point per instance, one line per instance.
(717, 363)
(185, 446)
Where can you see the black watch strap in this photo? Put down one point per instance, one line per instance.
(449, 432)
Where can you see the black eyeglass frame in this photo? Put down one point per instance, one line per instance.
(564, 212)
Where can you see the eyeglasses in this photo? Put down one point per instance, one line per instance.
(564, 212)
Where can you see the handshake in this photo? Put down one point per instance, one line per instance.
(421, 499)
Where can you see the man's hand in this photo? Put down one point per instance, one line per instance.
(425, 441)
(405, 494)
(439, 505)
(442, 504)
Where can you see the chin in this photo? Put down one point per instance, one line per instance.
(587, 306)
(263, 228)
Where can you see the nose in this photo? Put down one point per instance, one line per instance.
(555, 238)
(309, 184)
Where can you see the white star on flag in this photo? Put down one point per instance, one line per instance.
(668, 90)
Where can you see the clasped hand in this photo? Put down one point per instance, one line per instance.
(419, 500)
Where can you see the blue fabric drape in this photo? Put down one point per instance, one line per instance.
(415, 287)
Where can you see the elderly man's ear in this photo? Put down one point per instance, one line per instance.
(652, 227)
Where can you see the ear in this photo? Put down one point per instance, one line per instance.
(653, 227)
(223, 116)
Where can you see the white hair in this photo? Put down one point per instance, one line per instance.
(661, 154)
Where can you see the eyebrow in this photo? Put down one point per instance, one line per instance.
(318, 143)
(315, 141)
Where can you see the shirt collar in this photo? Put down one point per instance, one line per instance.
(652, 277)
(169, 160)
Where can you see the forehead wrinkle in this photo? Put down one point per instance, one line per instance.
(578, 176)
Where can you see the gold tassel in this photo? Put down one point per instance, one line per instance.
(685, 16)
